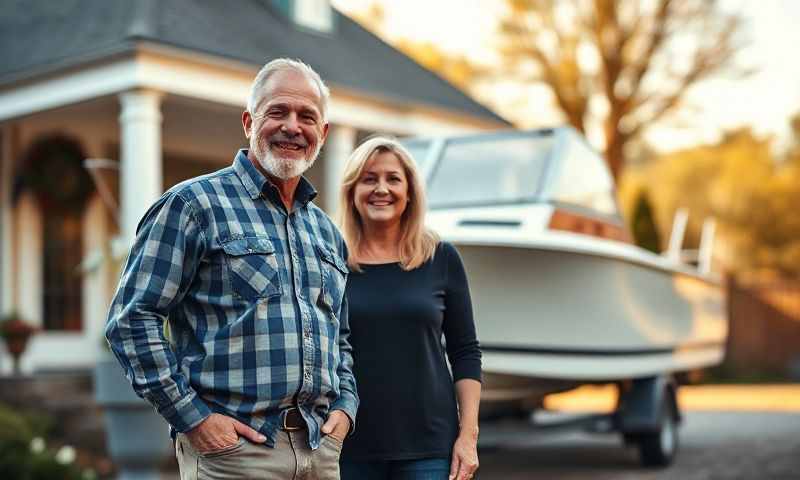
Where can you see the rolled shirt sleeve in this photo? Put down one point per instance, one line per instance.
(160, 268)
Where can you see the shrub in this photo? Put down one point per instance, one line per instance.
(24, 454)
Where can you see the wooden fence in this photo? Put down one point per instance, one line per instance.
(764, 329)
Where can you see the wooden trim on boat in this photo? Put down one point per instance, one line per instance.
(587, 225)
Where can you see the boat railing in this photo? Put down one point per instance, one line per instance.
(702, 257)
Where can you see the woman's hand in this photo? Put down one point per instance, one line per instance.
(465, 450)
(465, 456)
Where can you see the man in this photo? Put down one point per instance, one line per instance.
(257, 382)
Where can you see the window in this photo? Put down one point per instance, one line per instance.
(314, 14)
(62, 282)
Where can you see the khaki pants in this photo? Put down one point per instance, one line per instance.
(291, 459)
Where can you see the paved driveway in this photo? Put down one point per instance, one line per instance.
(750, 433)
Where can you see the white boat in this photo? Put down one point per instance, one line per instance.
(561, 295)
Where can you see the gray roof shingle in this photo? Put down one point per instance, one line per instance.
(41, 36)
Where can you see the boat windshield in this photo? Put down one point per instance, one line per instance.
(583, 179)
(489, 170)
(419, 150)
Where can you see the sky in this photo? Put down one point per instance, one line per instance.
(765, 100)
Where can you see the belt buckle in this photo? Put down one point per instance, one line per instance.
(290, 428)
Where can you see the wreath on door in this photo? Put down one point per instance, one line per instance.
(53, 170)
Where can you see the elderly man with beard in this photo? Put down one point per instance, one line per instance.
(256, 379)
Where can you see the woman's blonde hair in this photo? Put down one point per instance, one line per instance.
(417, 242)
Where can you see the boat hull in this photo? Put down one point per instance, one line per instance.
(549, 319)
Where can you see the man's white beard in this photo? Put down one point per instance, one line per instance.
(283, 168)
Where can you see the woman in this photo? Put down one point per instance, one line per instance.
(406, 290)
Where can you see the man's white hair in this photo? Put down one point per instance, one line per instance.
(281, 65)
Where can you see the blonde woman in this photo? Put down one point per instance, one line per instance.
(405, 292)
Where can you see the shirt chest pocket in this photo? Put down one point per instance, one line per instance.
(334, 277)
(253, 267)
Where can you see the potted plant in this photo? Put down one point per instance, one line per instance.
(16, 332)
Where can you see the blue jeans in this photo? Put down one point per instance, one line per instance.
(421, 469)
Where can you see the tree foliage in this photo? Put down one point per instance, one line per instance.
(622, 64)
(752, 194)
(456, 68)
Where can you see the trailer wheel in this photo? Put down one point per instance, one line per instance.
(659, 448)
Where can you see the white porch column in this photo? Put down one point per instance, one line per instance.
(340, 144)
(7, 286)
(141, 179)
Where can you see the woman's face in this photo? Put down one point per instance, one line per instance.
(381, 192)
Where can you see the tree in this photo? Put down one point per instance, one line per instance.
(622, 64)
(643, 224)
(739, 182)
(372, 17)
(455, 68)
(793, 155)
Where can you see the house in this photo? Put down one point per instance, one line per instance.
(155, 89)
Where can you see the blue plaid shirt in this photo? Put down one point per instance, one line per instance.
(255, 301)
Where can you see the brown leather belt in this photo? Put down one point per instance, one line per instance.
(292, 420)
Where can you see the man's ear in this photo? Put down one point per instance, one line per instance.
(247, 123)
(325, 132)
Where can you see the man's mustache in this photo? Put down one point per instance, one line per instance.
(282, 137)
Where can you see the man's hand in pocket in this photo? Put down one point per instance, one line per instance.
(337, 425)
(218, 432)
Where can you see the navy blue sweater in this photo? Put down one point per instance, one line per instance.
(397, 318)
